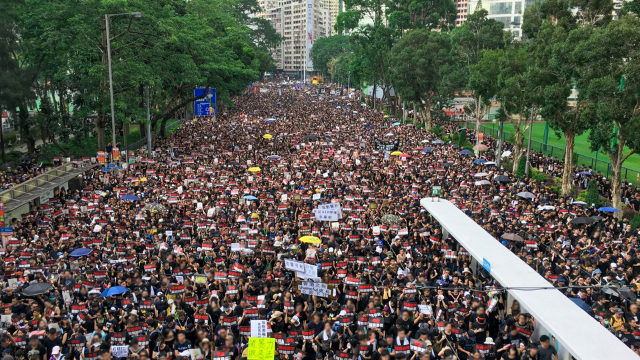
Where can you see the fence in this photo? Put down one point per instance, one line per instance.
(603, 166)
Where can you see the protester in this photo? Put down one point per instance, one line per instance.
(198, 234)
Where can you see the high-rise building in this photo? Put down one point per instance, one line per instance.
(334, 9)
(462, 9)
(300, 23)
(509, 12)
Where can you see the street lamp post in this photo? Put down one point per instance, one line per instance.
(113, 117)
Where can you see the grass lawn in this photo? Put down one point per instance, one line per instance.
(581, 147)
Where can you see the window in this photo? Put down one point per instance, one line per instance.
(519, 8)
(506, 20)
(500, 8)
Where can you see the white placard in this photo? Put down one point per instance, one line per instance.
(120, 351)
(258, 328)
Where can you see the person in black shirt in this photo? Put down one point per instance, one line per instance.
(182, 344)
(37, 348)
(277, 324)
(51, 340)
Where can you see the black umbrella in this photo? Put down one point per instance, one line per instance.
(582, 220)
(597, 218)
(310, 137)
(36, 289)
(502, 178)
(233, 163)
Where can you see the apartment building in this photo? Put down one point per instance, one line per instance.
(462, 7)
(300, 23)
(508, 12)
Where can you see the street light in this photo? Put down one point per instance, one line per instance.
(136, 15)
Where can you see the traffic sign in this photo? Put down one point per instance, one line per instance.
(486, 265)
(206, 106)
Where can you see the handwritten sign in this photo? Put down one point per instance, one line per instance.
(258, 328)
(261, 348)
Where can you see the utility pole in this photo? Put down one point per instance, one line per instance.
(113, 117)
(349, 85)
(146, 90)
(528, 165)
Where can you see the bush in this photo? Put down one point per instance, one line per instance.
(507, 164)
(537, 175)
(438, 131)
(11, 136)
(635, 222)
(592, 195)
(522, 163)
(556, 189)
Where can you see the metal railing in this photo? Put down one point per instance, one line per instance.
(598, 165)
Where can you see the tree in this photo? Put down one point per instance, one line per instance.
(327, 48)
(593, 195)
(554, 32)
(415, 67)
(518, 87)
(610, 59)
(478, 33)
(176, 46)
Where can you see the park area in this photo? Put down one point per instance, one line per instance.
(555, 148)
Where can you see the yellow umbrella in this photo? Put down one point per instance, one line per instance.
(396, 153)
(310, 240)
(254, 169)
(386, 116)
(267, 136)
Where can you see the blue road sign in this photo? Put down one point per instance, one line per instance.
(6, 229)
(486, 265)
(203, 106)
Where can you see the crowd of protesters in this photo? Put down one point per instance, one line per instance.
(26, 170)
(199, 243)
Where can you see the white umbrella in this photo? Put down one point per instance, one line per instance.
(425, 141)
(483, 182)
(489, 163)
(545, 207)
(389, 134)
(480, 174)
(526, 195)
(506, 153)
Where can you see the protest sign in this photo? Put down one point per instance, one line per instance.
(120, 351)
(258, 328)
(261, 348)
(386, 145)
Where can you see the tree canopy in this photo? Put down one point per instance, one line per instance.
(175, 46)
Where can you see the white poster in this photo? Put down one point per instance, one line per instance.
(258, 328)
(309, 32)
(120, 351)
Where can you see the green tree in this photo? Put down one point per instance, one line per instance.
(593, 195)
(477, 34)
(555, 32)
(327, 48)
(609, 59)
(176, 46)
(416, 62)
